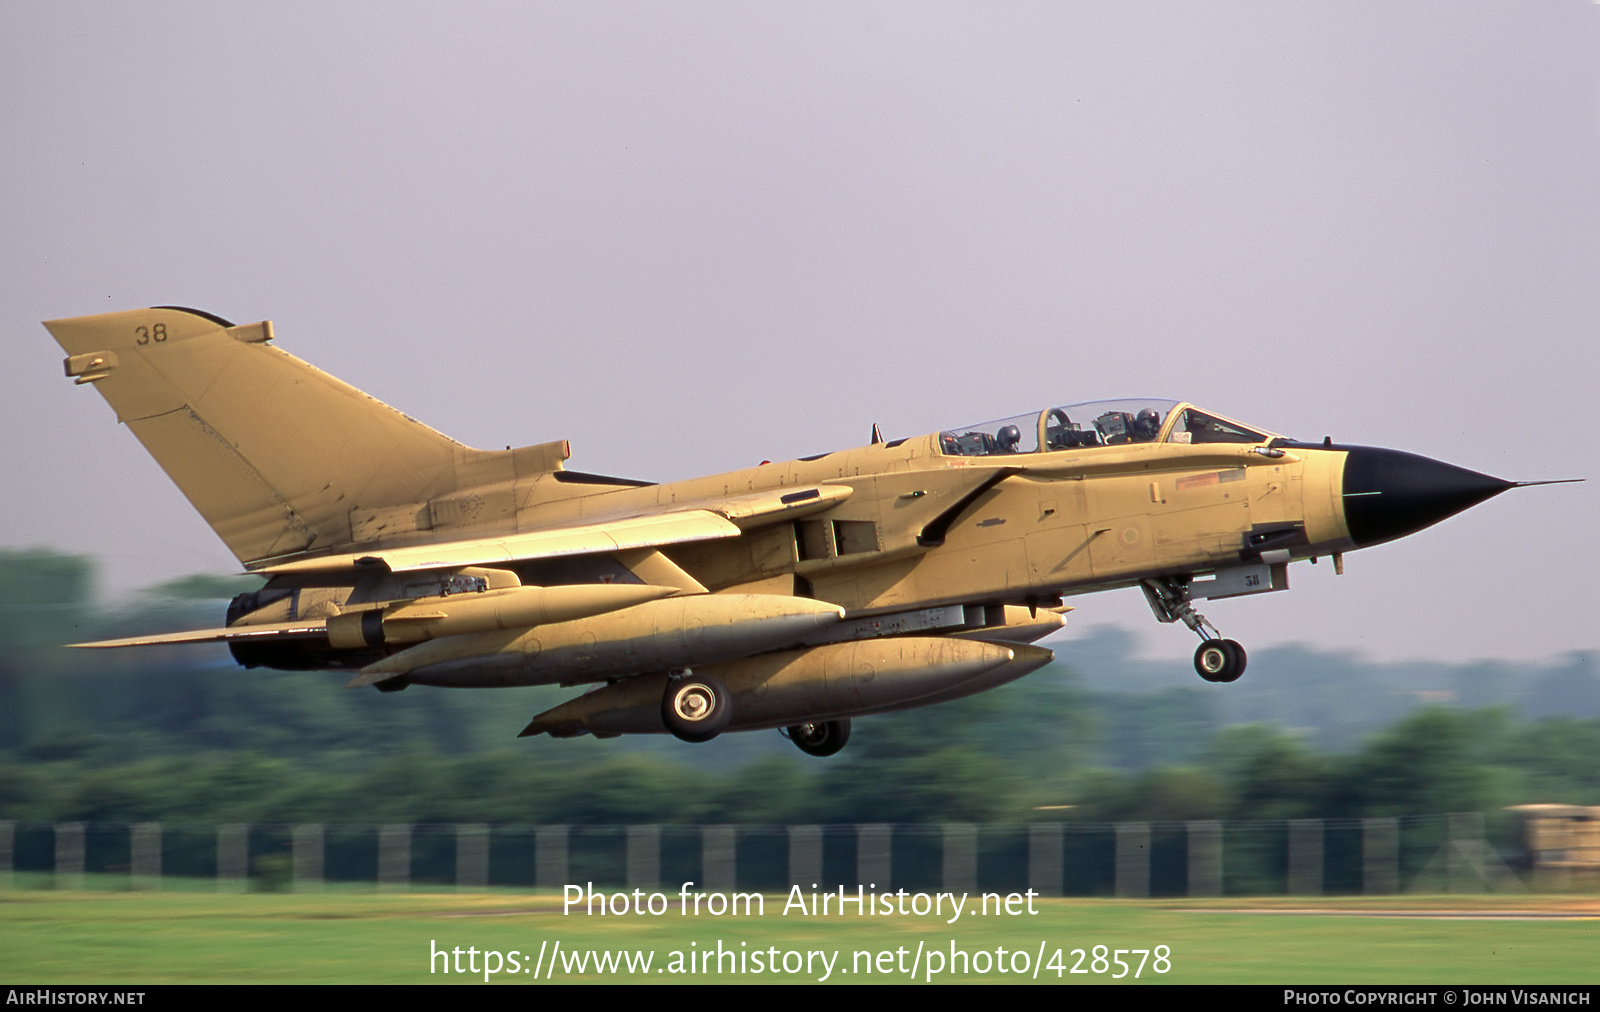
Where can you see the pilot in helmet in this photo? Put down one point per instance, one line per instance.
(1008, 438)
(1146, 425)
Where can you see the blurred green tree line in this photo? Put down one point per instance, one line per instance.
(182, 734)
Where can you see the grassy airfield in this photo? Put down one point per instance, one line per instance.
(129, 938)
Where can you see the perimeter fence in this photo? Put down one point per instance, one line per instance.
(1375, 856)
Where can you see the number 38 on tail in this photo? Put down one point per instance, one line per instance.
(795, 595)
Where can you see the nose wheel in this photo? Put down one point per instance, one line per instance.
(1216, 659)
(1219, 660)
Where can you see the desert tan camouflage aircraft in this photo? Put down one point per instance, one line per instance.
(794, 595)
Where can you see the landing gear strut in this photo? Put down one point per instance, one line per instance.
(1217, 659)
(696, 707)
(821, 738)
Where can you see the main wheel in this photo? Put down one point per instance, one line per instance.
(822, 738)
(696, 707)
(1219, 660)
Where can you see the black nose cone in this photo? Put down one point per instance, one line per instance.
(1389, 494)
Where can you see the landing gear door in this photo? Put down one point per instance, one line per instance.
(1237, 581)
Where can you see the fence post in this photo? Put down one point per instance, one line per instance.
(644, 857)
(1204, 846)
(719, 857)
(233, 856)
(1046, 848)
(307, 857)
(1133, 859)
(8, 860)
(144, 846)
(1380, 856)
(69, 855)
(960, 857)
(805, 856)
(394, 856)
(550, 856)
(472, 856)
(1466, 850)
(1305, 857)
(872, 855)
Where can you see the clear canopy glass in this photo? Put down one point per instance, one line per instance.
(1094, 423)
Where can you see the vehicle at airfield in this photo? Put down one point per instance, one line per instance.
(795, 595)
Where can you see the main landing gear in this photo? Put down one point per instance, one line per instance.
(696, 707)
(819, 738)
(1217, 659)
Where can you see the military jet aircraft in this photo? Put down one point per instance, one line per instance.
(795, 595)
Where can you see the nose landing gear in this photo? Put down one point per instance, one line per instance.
(1217, 659)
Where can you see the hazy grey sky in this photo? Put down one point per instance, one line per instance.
(689, 237)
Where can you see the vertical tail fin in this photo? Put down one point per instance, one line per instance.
(274, 453)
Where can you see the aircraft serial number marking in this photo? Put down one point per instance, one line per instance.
(144, 335)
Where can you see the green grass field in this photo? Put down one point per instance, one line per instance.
(351, 937)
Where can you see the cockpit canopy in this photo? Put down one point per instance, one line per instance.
(1095, 423)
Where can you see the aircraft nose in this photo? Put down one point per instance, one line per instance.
(1389, 494)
